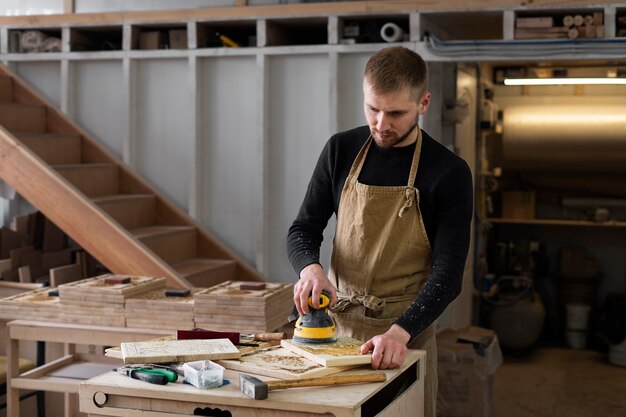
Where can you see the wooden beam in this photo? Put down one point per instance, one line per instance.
(68, 6)
(287, 10)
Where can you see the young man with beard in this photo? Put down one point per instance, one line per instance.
(404, 205)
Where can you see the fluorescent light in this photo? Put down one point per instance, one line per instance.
(563, 81)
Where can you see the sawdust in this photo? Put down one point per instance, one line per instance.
(278, 358)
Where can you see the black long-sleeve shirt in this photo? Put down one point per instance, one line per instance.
(444, 182)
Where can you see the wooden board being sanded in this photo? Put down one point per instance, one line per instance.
(278, 362)
(165, 351)
(345, 351)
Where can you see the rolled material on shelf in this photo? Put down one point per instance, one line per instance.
(390, 32)
(565, 137)
(51, 44)
(32, 40)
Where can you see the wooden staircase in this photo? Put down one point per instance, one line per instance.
(99, 202)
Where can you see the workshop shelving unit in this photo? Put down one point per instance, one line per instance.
(205, 96)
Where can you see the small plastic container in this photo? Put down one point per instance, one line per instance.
(204, 374)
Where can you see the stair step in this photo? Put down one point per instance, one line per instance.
(93, 180)
(204, 273)
(6, 89)
(171, 243)
(23, 118)
(54, 148)
(132, 211)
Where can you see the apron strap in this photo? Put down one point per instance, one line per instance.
(411, 192)
(370, 302)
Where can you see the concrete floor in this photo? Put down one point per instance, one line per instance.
(560, 383)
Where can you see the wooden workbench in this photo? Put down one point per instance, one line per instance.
(113, 394)
(45, 377)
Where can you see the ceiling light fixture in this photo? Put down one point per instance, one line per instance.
(563, 81)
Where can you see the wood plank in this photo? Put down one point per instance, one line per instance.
(132, 211)
(206, 272)
(54, 148)
(6, 89)
(56, 259)
(92, 179)
(345, 351)
(278, 362)
(171, 243)
(302, 9)
(9, 240)
(24, 118)
(178, 351)
(534, 22)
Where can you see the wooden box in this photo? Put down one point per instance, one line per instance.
(518, 204)
(178, 38)
(151, 40)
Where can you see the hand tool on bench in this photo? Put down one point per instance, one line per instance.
(146, 374)
(235, 337)
(258, 390)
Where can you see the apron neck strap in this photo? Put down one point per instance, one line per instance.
(416, 159)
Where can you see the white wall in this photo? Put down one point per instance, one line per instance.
(298, 129)
(98, 101)
(30, 7)
(229, 141)
(43, 76)
(164, 152)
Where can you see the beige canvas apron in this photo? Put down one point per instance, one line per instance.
(380, 261)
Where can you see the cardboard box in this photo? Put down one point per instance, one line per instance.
(467, 360)
(518, 204)
(576, 264)
(151, 40)
(178, 38)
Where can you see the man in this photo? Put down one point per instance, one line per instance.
(403, 204)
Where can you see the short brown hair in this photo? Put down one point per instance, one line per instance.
(394, 68)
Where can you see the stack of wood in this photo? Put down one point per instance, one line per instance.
(101, 300)
(246, 307)
(31, 305)
(34, 249)
(569, 27)
(161, 309)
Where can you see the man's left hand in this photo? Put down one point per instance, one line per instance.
(388, 349)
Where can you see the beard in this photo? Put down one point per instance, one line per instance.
(392, 139)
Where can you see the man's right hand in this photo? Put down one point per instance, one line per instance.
(312, 281)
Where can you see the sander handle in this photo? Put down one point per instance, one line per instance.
(328, 380)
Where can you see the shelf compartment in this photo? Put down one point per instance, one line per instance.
(620, 22)
(369, 29)
(35, 40)
(64, 374)
(483, 25)
(299, 31)
(163, 36)
(226, 34)
(96, 39)
(559, 24)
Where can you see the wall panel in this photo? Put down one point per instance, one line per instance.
(298, 130)
(164, 142)
(350, 95)
(228, 144)
(98, 101)
(44, 77)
